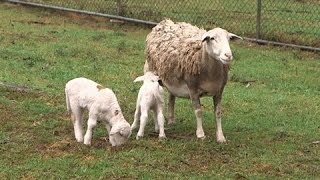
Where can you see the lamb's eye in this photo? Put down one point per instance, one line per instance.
(212, 38)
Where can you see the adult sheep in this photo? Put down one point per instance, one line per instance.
(192, 63)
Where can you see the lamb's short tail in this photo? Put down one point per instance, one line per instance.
(67, 102)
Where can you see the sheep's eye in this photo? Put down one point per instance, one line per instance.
(212, 38)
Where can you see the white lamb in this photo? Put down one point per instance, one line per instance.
(102, 104)
(150, 97)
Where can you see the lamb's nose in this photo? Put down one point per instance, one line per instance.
(228, 55)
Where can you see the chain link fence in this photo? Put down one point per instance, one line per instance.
(287, 21)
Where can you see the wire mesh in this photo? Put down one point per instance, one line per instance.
(288, 21)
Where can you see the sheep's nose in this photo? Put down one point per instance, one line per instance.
(228, 55)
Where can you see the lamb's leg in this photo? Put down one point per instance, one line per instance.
(143, 122)
(160, 122)
(137, 115)
(92, 122)
(195, 98)
(108, 127)
(171, 103)
(217, 112)
(156, 124)
(77, 120)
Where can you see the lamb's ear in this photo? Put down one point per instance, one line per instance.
(140, 78)
(125, 131)
(114, 130)
(160, 82)
(234, 36)
(157, 78)
(205, 37)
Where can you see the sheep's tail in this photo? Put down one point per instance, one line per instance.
(67, 101)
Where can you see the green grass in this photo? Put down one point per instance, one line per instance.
(290, 21)
(270, 125)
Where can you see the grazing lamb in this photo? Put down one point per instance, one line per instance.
(150, 97)
(102, 104)
(191, 63)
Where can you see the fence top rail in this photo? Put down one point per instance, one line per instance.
(150, 23)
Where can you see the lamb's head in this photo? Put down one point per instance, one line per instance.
(217, 44)
(148, 77)
(119, 133)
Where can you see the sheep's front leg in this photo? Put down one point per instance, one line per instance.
(217, 112)
(198, 112)
(171, 103)
(92, 122)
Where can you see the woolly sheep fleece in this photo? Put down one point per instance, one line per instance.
(174, 48)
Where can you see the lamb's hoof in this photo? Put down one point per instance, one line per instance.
(201, 138)
(222, 140)
(138, 137)
(87, 143)
(79, 140)
(162, 138)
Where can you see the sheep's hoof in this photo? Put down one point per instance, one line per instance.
(221, 138)
(138, 137)
(171, 122)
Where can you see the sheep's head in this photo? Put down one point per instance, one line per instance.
(119, 133)
(217, 44)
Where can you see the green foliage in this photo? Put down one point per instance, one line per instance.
(270, 123)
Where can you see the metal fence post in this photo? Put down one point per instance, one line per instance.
(258, 27)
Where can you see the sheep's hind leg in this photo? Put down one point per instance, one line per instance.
(171, 104)
(217, 112)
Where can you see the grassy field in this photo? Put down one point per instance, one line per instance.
(271, 126)
(290, 21)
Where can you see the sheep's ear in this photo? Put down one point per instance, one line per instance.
(205, 37)
(138, 79)
(234, 36)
